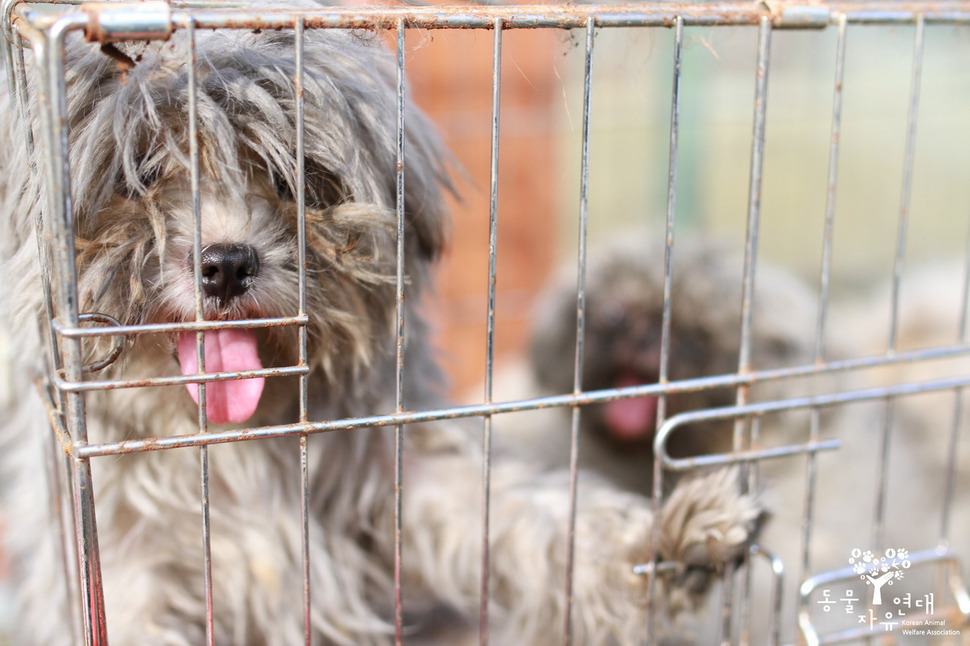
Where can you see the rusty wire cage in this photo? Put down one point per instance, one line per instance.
(796, 618)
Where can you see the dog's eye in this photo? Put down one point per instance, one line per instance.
(283, 190)
(147, 175)
(323, 187)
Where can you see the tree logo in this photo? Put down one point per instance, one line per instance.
(879, 571)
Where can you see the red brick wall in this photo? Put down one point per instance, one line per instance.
(450, 73)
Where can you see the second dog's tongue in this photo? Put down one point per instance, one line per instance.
(631, 419)
(229, 350)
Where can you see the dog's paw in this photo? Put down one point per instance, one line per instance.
(706, 524)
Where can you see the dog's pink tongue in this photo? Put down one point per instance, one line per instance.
(631, 419)
(229, 350)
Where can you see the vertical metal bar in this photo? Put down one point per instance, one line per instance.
(54, 125)
(41, 223)
(490, 325)
(399, 397)
(299, 28)
(89, 556)
(777, 586)
(949, 486)
(742, 427)
(199, 316)
(885, 439)
(19, 80)
(669, 231)
(754, 210)
(580, 329)
(59, 466)
(196, 214)
(755, 441)
(904, 202)
(744, 601)
(811, 473)
(663, 373)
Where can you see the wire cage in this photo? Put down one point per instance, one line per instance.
(802, 587)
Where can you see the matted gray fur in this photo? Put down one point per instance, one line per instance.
(133, 219)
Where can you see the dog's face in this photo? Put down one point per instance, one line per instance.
(623, 338)
(623, 335)
(134, 208)
(624, 313)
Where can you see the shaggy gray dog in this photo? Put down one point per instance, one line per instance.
(133, 222)
(624, 309)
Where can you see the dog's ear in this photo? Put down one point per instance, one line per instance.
(137, 175)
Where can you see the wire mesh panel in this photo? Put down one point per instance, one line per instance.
(796, 419)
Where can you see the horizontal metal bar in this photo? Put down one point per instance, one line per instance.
(807, 370)
(763, 408)
(793, 15)
(480, 410)
(810, 15)
(162, 328)
(484, 17)
(789, 14)
(751, 455)
(831, 399)
(687, 385)
(778, 374)
(113, 22)
(116, 384)
(782, 14)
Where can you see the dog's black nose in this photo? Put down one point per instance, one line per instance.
(228, 270)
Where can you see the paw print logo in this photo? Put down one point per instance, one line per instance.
(858, 561)
(899, 558)
(879, 571)
(865, 561)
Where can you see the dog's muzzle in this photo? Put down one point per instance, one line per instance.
(228, 272)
